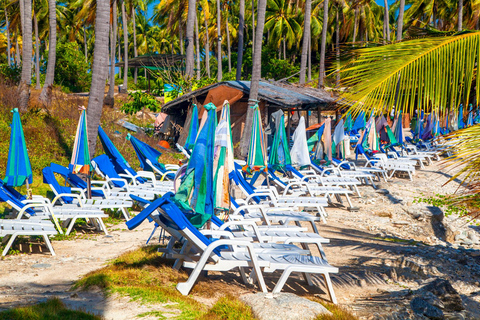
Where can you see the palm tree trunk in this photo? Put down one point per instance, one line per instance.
(321, 74)
(135, 53)
(460, 15)
(37, 53)
(9, 45)
(46, 94)
(180, 36)
(113, 45)
(337, 45)
(309, 75)
(99, 72)
(219, 44)
(306, 39)
(17, 49)
(191, 20)
(125, 48)
(400, 20)
(22, 16)
(207, 46)
(241, 29)
(256, 74)
(26, 79)
(229, 53)
(197, 44)
(284, 49)
(253, 27)
(85, 48)
(386, 23)
(355, 28)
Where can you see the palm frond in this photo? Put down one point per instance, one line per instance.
(432, 73)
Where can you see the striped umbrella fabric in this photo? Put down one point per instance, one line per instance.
(223, 162)
(19, 169)
(193, 129)
(399, 129)
(461, 124)
(257, 159)
(80, 162)
(195, 196)
(279, 152)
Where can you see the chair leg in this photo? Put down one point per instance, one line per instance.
(70, 226)
(49, 244)
(328, 282)
(102, 226)
(308, 278)
(125, 213)
(9, 244)
(282, 280)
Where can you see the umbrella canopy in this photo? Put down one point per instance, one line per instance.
(299, 152)
(315, 141)
(369, 139)
(359, 122)
(19, 169)
(257, 157)
(193, 129)
(223, 160)
(427, 133)
(348, 123)
(80, 162)
(195, 195)
(279, 153)
(470, 117)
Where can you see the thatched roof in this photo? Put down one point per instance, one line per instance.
(282, 95)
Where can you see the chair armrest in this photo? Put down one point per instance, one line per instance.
(71, 195)
(245, 223)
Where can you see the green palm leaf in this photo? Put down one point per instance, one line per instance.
(432, 73)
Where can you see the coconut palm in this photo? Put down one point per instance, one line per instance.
(306, 40)
(113, 40)
(26, 79)
(99, 72)
(241, 29)
(256, 74)
(321, 73)
(400, 20)
(125, 47)
(191, 20)
(45, 95)
(219, 43)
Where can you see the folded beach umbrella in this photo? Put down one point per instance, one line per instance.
(461, 124)
(257, 156)
(223, 160)
(338, 138)
(399, 129)
(348, 122)
(299, 152)
(279, 153)
(359, 122)
(327, 138)
(193, 129)
(112, 152)
(470, 117)
(370, 138)
(427, 132)
(195, 196)
(315, 141)
(80, 162)
(19, 169)
(144, 152)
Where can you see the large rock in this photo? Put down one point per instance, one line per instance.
(446, 293)
(283, 306)
(424, 308)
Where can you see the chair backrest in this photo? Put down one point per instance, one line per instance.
(50, 179)
(103, 163)
(12, 200)
(73, 179)
(240, 181)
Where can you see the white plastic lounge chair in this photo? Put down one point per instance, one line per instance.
(14, 228)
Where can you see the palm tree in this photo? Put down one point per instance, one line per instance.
(45, 95)
(26, 79)
(306, 40)
(460, 15)
(437, 74)
(197, 45)
(241, 30)
(321, 74)
(400, 20)
(228, 40)
(37, 52)
(207, 42)
(219, 44)
(7, 28)
(281, 20)
(256, 74)
(99, 72)
(386, 24)
(109, 100)
(191, 17)
(125, 48)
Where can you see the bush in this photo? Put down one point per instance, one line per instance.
(11, 74)
(71, 69)
(140, 100)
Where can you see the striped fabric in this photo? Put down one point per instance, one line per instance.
(80, 162)
(257, 156)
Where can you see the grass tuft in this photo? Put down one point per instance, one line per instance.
(229, 308)
(338, 313)
(53, 309)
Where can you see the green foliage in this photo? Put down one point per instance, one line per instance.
(12, 74)
(140, 101)
(71, 69)
(229, 308)
(452, 204)
(53, 309)
(278, 69)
